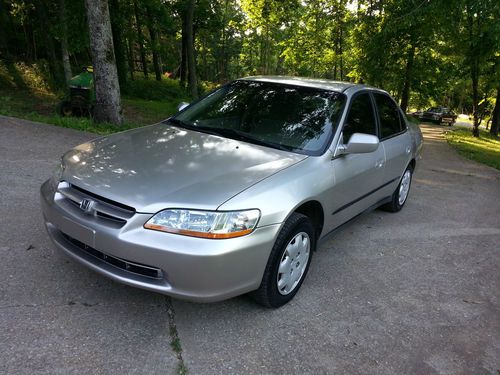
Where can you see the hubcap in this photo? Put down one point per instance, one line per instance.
(404, 187)
(293, 263)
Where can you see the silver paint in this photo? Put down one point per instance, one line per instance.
(163, 166)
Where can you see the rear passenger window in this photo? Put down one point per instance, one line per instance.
(360, 118)
(390, 123)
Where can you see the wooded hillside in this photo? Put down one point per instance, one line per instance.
(424, 52)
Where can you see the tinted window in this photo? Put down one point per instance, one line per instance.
(360, 118)
(403, 120)
(300, 119)
(389, 116)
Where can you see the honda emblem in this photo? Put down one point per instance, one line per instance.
(87, 206)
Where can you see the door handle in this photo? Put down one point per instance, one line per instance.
(408, 149)
(379, 164)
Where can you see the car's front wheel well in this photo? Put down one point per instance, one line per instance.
(314, 211)
(412, 164)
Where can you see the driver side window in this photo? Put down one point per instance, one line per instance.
(360, 119)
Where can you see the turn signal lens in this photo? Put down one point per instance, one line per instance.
(205, 224)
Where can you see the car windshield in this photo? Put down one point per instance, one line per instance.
(292, 118)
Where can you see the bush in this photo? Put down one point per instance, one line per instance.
(204, 87)
(20, 75)
(150, 89)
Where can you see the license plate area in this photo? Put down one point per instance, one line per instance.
(78, 231)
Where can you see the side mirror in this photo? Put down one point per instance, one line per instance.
(181, 106)
(359, 143)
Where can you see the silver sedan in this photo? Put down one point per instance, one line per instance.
(233, 193)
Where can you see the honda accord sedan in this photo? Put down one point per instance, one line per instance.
(233, 193)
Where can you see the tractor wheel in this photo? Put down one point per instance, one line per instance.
(64, 108)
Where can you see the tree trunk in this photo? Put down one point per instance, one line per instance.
(4, 45)
(474, 71)
(107, 90)
(222, 74)
(140, 40)
(191, 63)
(64, 42)
(475, 97)
(154, 43)
(130, 52)
(495, 122)
(183, 67)
(54, 66)
(341, 51)
(405, 95)
(117, 29)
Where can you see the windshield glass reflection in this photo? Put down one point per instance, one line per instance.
(294, 118)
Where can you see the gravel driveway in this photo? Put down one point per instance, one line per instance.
(417, 292)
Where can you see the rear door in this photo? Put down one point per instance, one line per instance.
(395, 140)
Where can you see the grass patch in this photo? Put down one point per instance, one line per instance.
(140, 111)
(485, 149)
(150, 89)
(26, 92)
(41, 107)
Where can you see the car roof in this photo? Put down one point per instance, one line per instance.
(319, 83)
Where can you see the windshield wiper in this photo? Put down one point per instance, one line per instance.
(242, 136)
(181, 123)
(202, 129)
(229, 133)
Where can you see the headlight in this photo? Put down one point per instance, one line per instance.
(206, 224)
(57, 175)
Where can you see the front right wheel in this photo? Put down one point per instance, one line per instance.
(288, 262)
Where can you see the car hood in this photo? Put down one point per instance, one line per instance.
(162, 166)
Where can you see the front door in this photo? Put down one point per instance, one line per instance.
(357, 177)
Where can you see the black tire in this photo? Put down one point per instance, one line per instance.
(268, 294)
(394, 205)
(64, 108)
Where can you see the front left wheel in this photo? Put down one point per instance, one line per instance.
(288, 263)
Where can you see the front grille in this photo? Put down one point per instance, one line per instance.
(136, 268)
(104, 208)
(109, 201)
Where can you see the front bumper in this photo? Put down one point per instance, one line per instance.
(194, 269)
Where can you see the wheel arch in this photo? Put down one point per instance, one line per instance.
(412, 164)
(314, 211)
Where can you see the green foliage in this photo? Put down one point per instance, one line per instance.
(430, 50)
(139, 111)
(29, 97)
(207, 86)
(21, 75)
(312, 49)
(485, 149)
(166, 89)
(34, 108)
